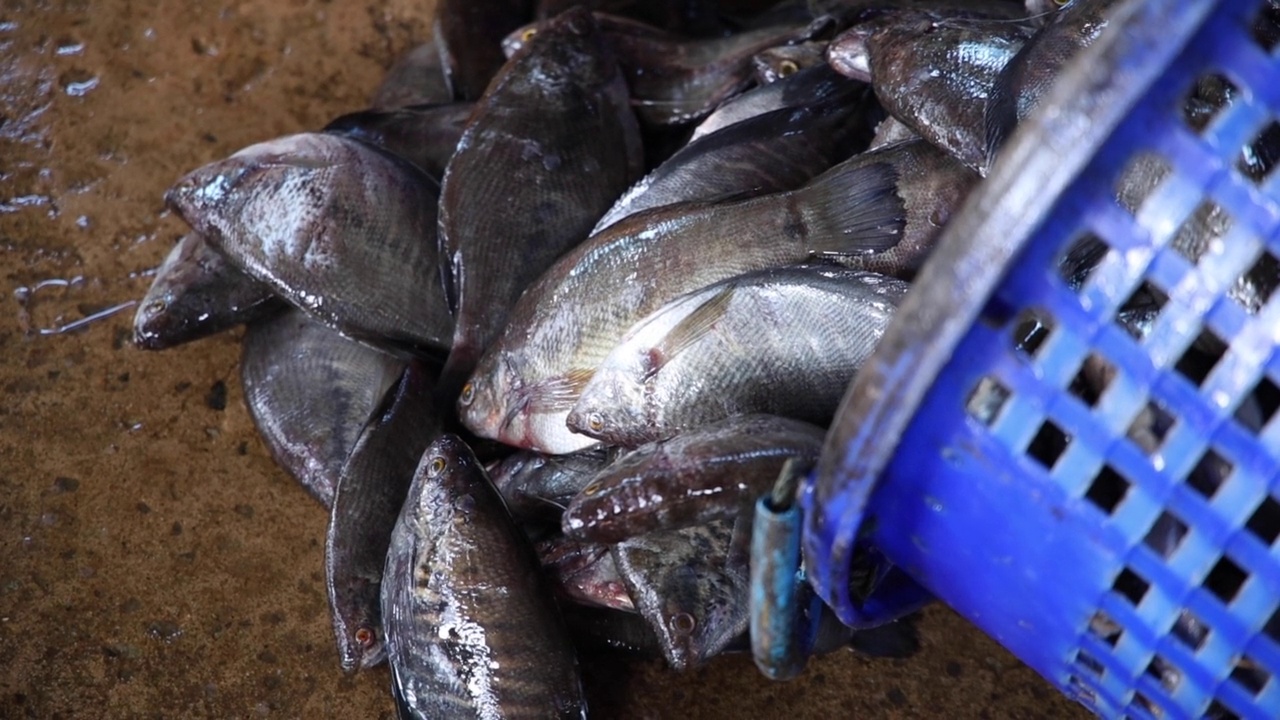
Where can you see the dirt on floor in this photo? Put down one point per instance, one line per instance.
(153, 559)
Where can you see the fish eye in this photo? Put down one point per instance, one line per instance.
(528, 34)
(436, 466)
(591, 489)
(683, 623)
(787, 67)
(364, 636)
(468, 394)
(595, 422)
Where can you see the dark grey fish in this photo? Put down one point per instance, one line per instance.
(338, 228)
(691, 586)
(784, 341)
(1031, 73)
(694, 477)
(472, 628)
(568, 322)
(932, 185)
(536, 487)
(548, 148)
(777, 63)
(417, 78)
(425, 135)
(772, 152)
(584, 573)
(676, 80)
(197, 293)
(310, 391)
(369, 496)
(596, 628)
(469, 33)
(934, 74)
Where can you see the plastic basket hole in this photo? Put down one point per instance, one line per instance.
(1265, 521)
(1168, 675)
(986, 400)
(1208, 97)
(1166, 535)
(1258, 158)
(1084, 254)
(1048, 444)
(1201, 357)
(1131, 586)
(1103, 627)
(1081, 692)
(1137, 315)
(1266, 27)
(1088, 662)
(1190, 629)
(1218, 711)
(1272, 628)
(1145, 704)
(1256, 286)
(1030, 330)
(1150, 427)
(1107, 490)
(1092, 379)
(1209, 473)
(1250, 675)
(1225, 580)
(1259, 406)
(1208, 223)
(1141, 176)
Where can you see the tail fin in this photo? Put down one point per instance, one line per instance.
(853, 209)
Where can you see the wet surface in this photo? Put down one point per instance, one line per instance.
(153, 560)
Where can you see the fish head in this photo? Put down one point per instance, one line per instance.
(483, 402)
(361, 644)
(276, 184)
(519, 38)
(612, 407)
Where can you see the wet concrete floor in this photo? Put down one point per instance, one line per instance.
(154, 562)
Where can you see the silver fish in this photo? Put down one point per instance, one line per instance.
(338, 228)
(310, 391)
(472, 628)
(564, 325)
(781, 341)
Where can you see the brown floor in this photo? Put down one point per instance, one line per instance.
(153, 560)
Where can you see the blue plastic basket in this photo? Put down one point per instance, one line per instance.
(1121, 541)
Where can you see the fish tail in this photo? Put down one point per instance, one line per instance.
(852, 210)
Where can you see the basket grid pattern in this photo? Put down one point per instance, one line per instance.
(1148, 386)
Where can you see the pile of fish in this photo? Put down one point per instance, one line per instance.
(544, 322)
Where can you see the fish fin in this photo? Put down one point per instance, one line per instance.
(853, 210)
(560, 393)
(688, 331)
